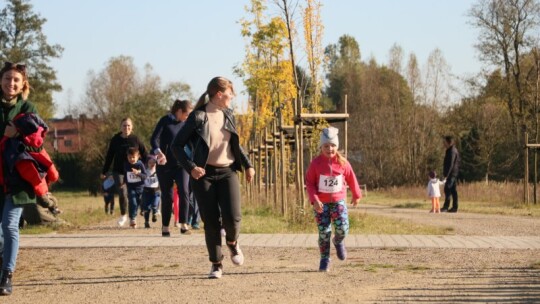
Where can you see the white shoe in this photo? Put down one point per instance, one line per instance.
(122, 220)
(223, 233)
(216, 271)
(237, 257)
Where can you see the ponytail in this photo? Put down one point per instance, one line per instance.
(202, 100)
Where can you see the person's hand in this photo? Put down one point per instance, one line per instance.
(250, 173)
(318, 206)
(161, 158)
(355, 202)
(198, 172)
(10, 130)
(103, 176)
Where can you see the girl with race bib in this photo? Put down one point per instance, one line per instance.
(151, 192)
(326, 181)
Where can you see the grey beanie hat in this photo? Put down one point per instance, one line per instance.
(329, 135)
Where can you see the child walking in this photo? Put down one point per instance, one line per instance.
(135, 175)
(151, 192)
(434, 192)
(326, 181)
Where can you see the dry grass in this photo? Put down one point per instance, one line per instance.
(492, 198)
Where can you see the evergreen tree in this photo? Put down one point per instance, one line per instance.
(22, 40)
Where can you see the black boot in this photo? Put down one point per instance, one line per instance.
(5, 283)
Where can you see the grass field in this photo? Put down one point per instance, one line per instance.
(81, 209)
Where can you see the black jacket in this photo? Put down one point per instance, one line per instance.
(451, 162)
(117, 152)
(196, 135)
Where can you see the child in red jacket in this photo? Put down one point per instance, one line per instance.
(326, 181)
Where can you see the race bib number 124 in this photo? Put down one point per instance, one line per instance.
(330, 184)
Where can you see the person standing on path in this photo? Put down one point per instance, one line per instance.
(117, 156)
(15, 192)
(326, 180)
(169, 170)
(210, 131)
(451, 164)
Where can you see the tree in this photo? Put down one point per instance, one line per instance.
(508, 30)
(22, 40)
(119, 91)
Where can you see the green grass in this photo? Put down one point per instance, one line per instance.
(81, 210)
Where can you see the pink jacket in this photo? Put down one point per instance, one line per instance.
(323, 166)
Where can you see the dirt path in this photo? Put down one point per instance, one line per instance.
(288, 275)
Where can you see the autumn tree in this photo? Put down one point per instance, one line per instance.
(22, 40)
(120, 90)
(508, 31)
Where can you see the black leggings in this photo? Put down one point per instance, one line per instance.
(218, 196)
(167, 177)
(121, 189)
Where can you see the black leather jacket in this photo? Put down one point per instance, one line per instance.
(196, 136)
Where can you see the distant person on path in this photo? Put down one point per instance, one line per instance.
(169, 170)
(151, 192)
(16, 192)
(434, 192)
(326, 180)
(210, 132)
(135, 176)
(116, 155)
(452, 160)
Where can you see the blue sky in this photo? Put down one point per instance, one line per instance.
(193, 41)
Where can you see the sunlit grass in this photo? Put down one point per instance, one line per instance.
(493, 198)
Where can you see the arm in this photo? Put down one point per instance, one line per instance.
(181, 139)
(155, 141)
(453, 159)
(350, 177)
(109, 157)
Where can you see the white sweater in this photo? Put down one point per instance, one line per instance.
(433, 187)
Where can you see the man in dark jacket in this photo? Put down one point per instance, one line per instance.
(451, 164)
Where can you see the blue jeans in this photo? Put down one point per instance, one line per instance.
(151, 200)
(9, 234)
(134, 198)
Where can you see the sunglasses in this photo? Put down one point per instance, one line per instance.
(17, 66)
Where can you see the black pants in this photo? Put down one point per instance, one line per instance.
(121, 189)
(450, 190)
(167, 177)
(218, 196)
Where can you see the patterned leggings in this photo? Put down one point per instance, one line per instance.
(337, 213)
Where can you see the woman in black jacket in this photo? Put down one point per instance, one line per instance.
(210, 132)
(117, 156)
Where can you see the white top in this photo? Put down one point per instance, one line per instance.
(433, 187)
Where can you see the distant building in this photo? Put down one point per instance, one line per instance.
(65, 135)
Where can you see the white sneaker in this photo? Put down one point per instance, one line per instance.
(122, 220)
(237, 257)
(223, 233)
(216, 271)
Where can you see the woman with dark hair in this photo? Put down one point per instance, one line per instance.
(169, 169)
(210, 131)
(15, 192)
(117, 156)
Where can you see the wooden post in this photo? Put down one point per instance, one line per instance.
(266, 167)
(275, 164)
(301, 163)
(283, 173)
(345, 130)
(526, 177)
